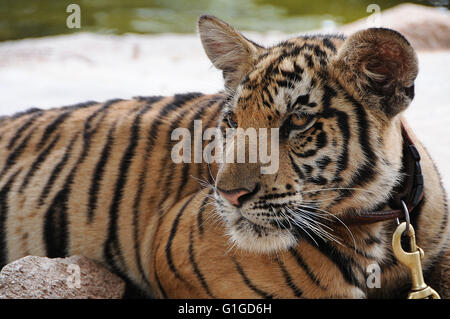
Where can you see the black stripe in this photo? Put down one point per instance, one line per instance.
(371, 240)
(194, 264)
(319, 52)
(318, 180)
(177, 102)
(149, 99)
(56, 227)
(309, 60)
(88, 130)
(97, 175)
(282, 83)
(23, 128)
(248, 282)
(77, 106)
(200, 220)
(296, 168)
(289, 281)
(56, 171)
(37, 162)
(321, 140)
(342, 161)
(87, 133)
(290, 76)
(366, 172)
(53, 126)
(3, 216)
(323, 162)
(137, 201)
(153, 134)
(181, 99)
(301, 100)
(172, 234)
(301, 262)
(308, 169)
(343, 125)
(212, 122)
(112, 248)
(361, 252)
(185, 170)
(168, 176)
(328, 44)
(308, 153)
(158, 282)
(171, 169)
(343, 262)
(12, 157)
(55, 223)
(26, 112)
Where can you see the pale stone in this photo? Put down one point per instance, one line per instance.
(75, 277)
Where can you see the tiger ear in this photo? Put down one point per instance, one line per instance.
(381, 66)
(227, 49)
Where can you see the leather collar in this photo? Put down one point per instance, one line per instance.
(410, 191)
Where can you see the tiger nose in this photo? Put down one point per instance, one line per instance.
(237, 196)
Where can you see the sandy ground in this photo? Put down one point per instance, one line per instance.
(64, 70)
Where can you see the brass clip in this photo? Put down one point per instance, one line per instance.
(412, 260)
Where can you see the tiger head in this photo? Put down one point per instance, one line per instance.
(336, 103)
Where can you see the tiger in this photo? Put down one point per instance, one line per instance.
(98, 179)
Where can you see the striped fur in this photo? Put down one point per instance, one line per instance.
(96, 179)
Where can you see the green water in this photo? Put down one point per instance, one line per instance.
(35, 18)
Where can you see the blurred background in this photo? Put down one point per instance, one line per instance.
(35, 18)
(127, 48)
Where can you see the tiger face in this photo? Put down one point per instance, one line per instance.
(335, 103)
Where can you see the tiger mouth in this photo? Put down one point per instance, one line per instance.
(242, 219)
(250, 235)
(270, 226)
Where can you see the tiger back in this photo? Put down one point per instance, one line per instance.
(69, 175)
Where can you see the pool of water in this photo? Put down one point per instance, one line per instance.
(35, 18)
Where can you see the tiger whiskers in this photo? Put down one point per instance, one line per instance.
(210, 173)
(213, 218)
(299, 223)
(308, 220)
(305, 208)
(204, 183)
(232, 247)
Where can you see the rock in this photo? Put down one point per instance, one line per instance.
(75, 277)
(425, 28)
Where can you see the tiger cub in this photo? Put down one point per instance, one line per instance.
(99, 179)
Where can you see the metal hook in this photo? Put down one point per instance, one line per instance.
(407, 219)
(412, 260)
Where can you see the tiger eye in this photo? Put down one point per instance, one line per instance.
(299, 120)
(230, 117)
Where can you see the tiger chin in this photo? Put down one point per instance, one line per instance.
(99, 179)
(254, 235)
